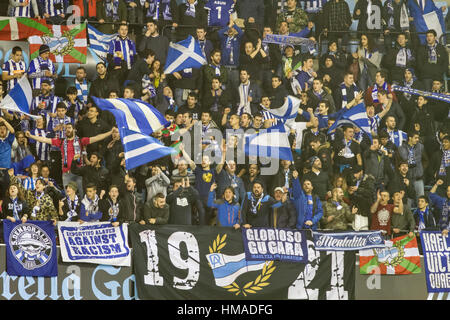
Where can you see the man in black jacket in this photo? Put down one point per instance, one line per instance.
(138, 70)
(399, 58)
(92, 173)
(257, 207)
(92, 126)
(181, 202)
(104, 84)
(154, 41)
(133, 203)
(318, 177)
(278, 93)
(432, 60)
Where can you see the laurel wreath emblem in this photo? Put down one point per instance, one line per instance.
(398, 259)
(254, 286)
(68, 48)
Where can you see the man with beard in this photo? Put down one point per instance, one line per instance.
(257, 207)
(113, 148)
(286, 215)
(91, 126)
(214, 70)
(70, 146)
(337, 215)
(308, 205)
(382, 213)
(104, 83)
(93, 173)
(361, 188)
(318, 177)
(45, 104)
(133, 204)
(81, 84)
(251, 176)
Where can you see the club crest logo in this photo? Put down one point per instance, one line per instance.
(59, 46)
(30, 245)
(390, 256)
(226, 269)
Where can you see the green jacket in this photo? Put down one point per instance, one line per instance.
(342, 217)
(300, 20)
(403, 221)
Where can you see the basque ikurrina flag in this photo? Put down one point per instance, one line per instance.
(400, 256)
(67, 44)
(12, 29)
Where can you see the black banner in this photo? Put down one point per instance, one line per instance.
(200, 262)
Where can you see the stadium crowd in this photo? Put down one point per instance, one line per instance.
(69, 165)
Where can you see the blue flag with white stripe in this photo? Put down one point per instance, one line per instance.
(99, 42)
(19, 98)
(288, 110)
(133, 114)
(140, 149)
(184, 54)
(427, 18)
(355, 116)
(271, 143)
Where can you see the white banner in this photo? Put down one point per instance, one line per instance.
(94, 242)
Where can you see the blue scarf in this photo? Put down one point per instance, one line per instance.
(82, 89)
(344, 93)
(432, 54)
(72, 210)
(254, 204)
(112, 9)
(190, 9)
(375, 91)
(15, 209)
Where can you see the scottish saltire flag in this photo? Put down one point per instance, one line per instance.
(133, 114)
(99, 42)
(184, 54)
(272, 143)
(19, 98)
(67, 44)
(140, 149)
(355, 116)
(227, 268)
(30, 248)
(430, 17)
(288, 110)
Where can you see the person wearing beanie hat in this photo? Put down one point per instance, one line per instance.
(42, 68)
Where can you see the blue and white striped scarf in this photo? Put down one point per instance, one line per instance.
(375, 91)
(432, 54)
(112, 9)
(344, 93)
(82, 89)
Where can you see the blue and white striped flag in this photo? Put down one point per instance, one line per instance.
(355, 116)
(19, 98)
(140, 149)
(272, 143)
(133, 114)
(99, 42)
(430, 17)
(288, 110)
(184, 54)
(226, 269)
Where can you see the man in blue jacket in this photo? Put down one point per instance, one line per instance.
(308, 205)
(443, 204)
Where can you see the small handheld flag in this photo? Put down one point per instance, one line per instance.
(184, 54)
